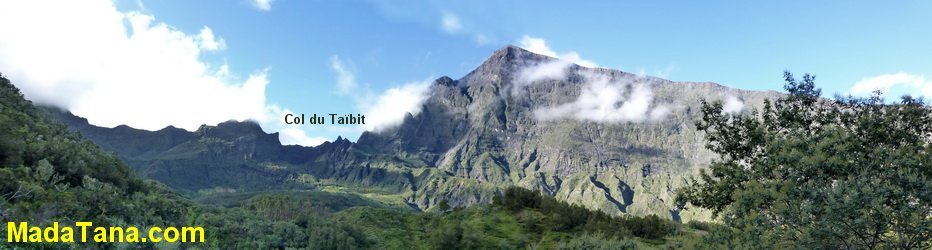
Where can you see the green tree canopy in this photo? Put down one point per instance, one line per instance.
(815, 173)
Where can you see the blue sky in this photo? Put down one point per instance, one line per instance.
(292, 49)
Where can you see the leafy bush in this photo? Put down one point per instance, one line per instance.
(699, 225)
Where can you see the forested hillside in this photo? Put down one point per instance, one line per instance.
(49, 174)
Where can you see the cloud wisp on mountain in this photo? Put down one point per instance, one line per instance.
(606, 99)
(382, 110)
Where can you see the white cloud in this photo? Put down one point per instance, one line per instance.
(295, 136)
(731, 104)
(916, 85)
(603, 99)
(450, 23)
(346, 80)
(389, 108)
(658, 112)
(263, 5)
(536, 45)
(291, 134)
(556, 69)
(124, 68)
(386, 109)
(539, 46)
(207, 41)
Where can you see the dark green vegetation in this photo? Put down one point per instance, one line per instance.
(474, 136)
(518, 219)
(817, 174)
(547, 212)
(50, 174)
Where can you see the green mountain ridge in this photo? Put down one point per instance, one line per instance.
(49, 174)
(474, 136)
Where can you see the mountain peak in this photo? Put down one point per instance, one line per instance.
(504, 62)
(511, 54)
(512, 51)
(445, 80)
(508, 49)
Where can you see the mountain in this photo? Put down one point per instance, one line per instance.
(606, 139)
(228, 155)
(50, 175)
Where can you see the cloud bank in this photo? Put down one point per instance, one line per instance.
(916, 85)
(207, 41)
(126, 68)
(603, 99)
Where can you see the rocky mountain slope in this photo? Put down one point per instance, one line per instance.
(606, 139)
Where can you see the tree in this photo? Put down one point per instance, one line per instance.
(516, 198)
(817, 173)
(443, 206)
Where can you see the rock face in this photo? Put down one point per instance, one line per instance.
(602, 138)
(484, 132)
